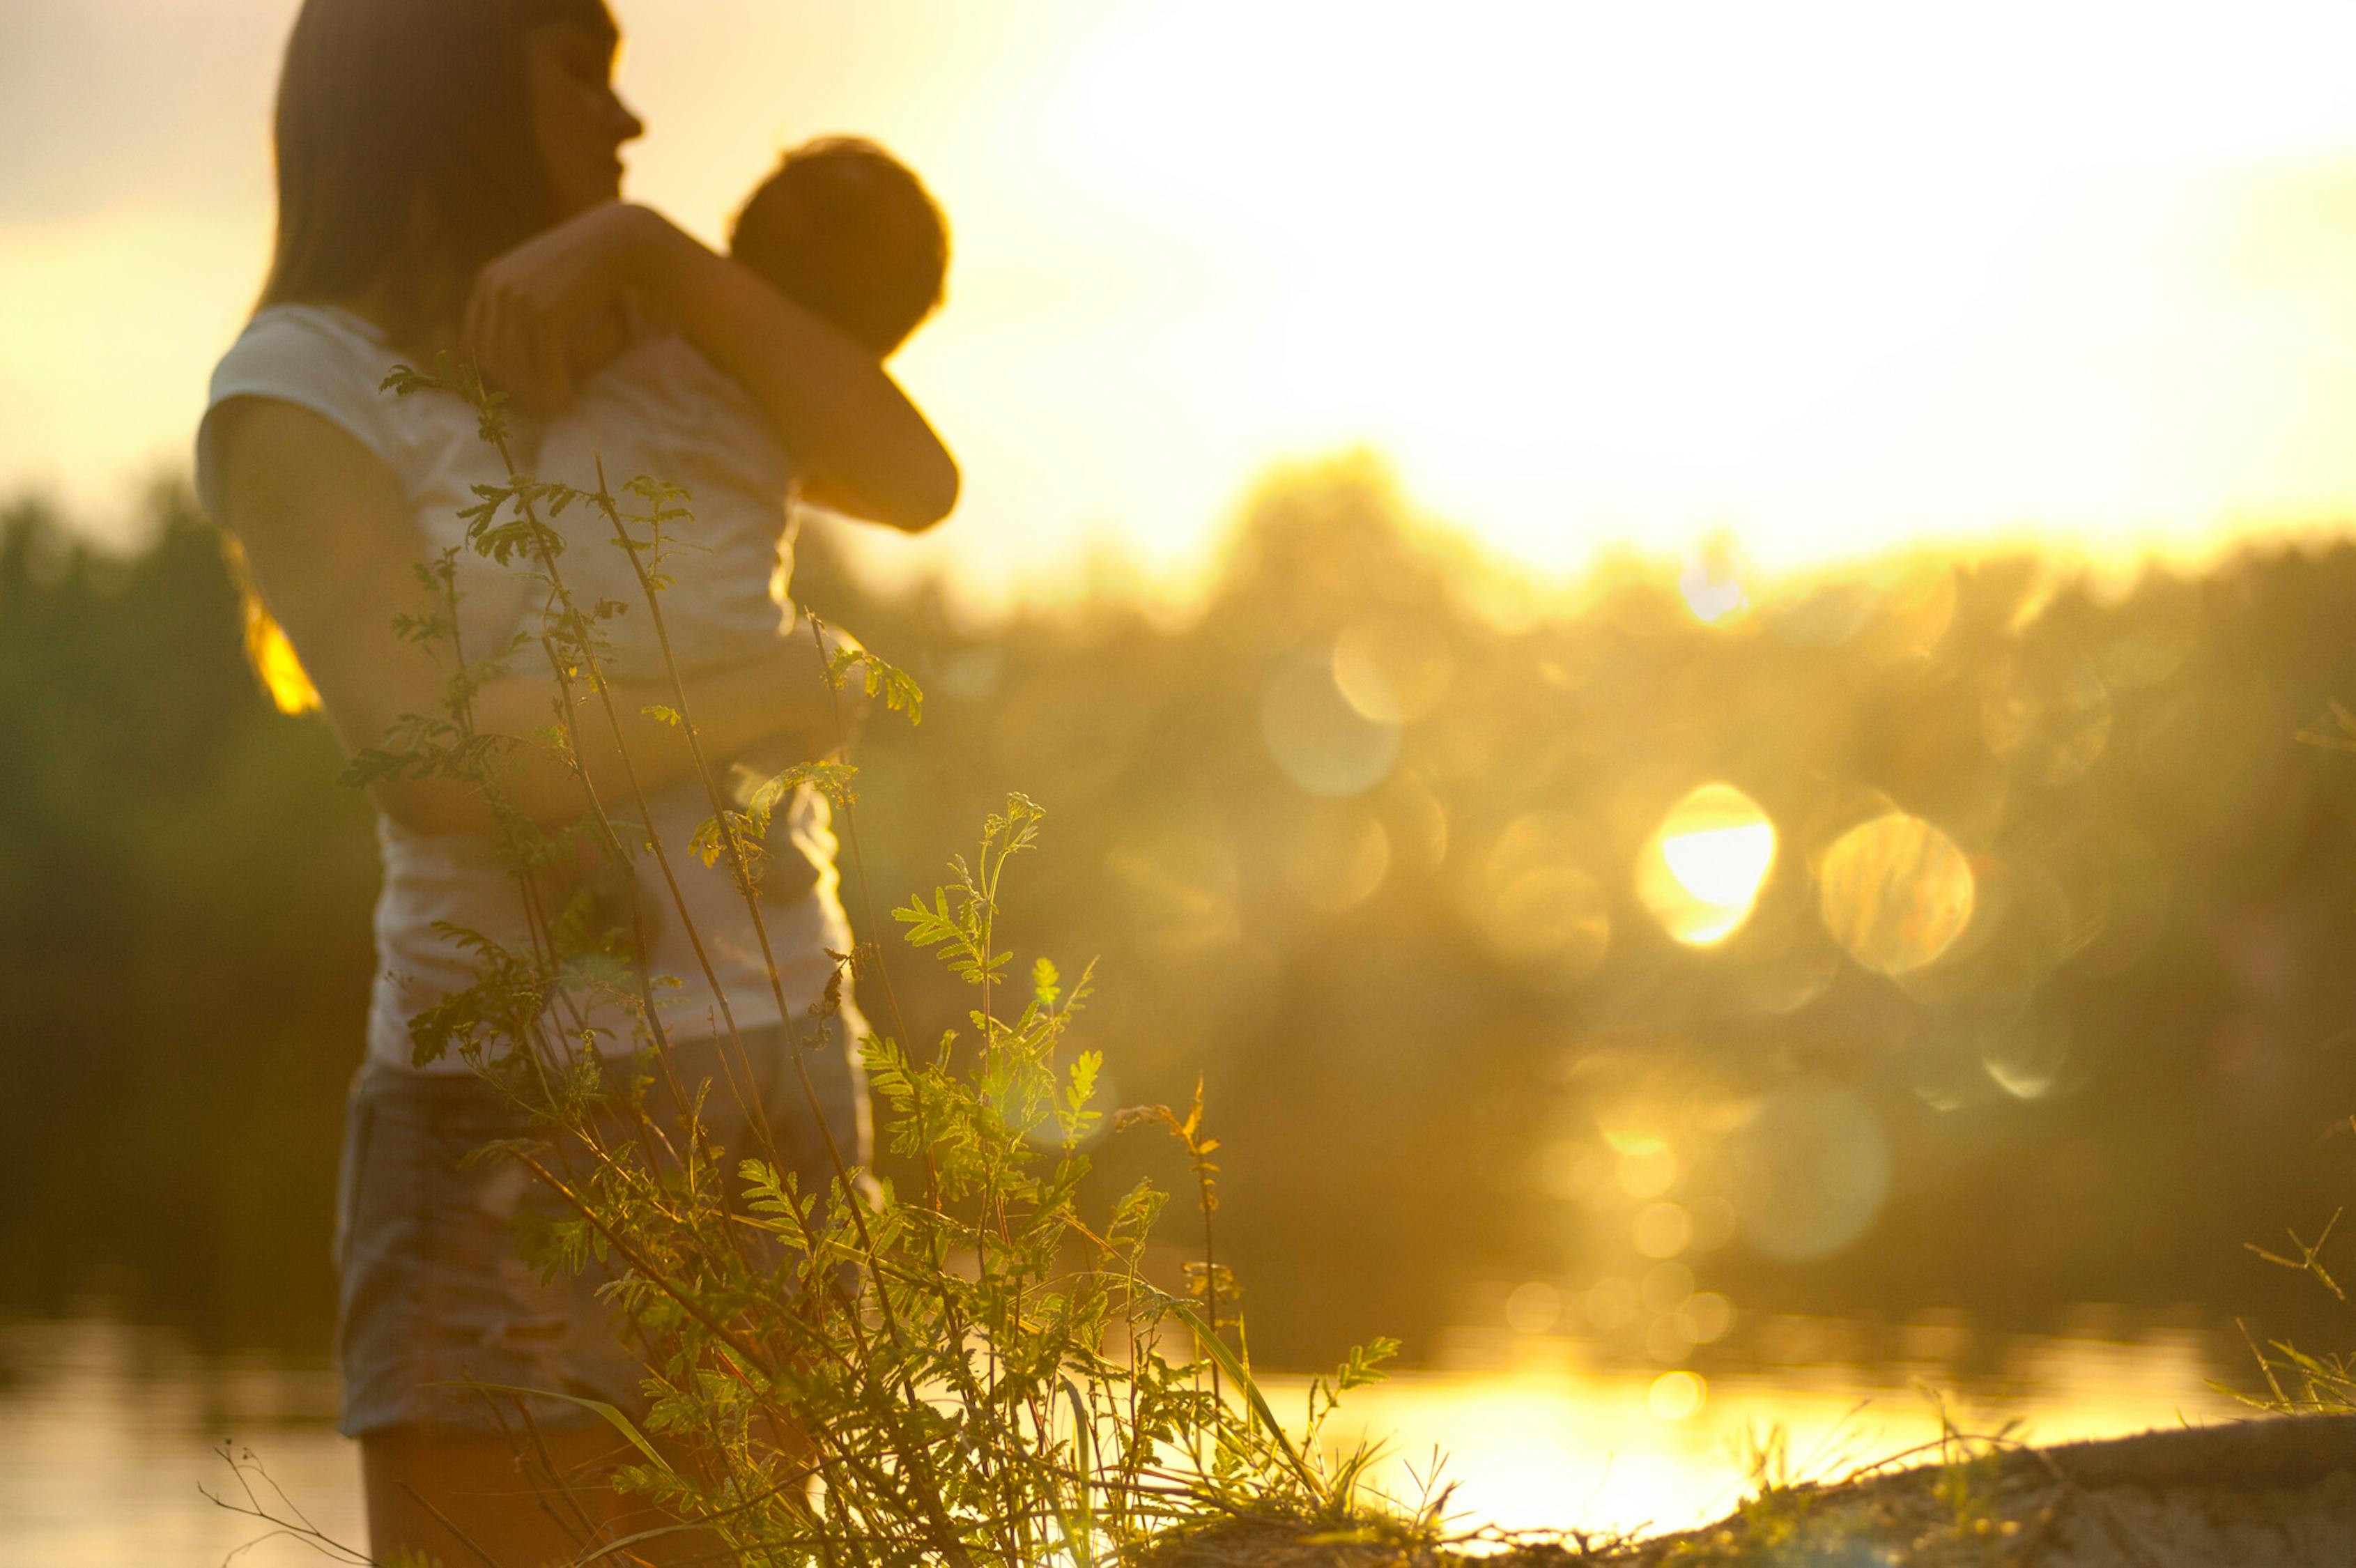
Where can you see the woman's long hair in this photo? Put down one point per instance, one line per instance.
(405, 161)
(405, 150)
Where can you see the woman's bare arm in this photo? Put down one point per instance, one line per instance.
(334, 553)
(830, 400)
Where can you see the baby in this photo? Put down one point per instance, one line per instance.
(848, 232)
(845, 230)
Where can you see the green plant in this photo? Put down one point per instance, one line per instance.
(1967, 1487)
(975, 1369)
(2296, 1381)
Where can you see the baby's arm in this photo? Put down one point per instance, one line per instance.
(596, 342)
(819, 491)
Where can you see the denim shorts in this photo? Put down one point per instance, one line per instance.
(434, 1293)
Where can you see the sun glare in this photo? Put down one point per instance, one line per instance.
(1602, 275)
(1615, 276)
(1712, 591)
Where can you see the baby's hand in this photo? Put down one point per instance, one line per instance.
(526, 304)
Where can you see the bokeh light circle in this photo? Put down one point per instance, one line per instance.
(2052, 724)
(1554, 916)
(1895, 892)
(1702, 870)
(1662, 1230)
(1668, 1339)
(1336, 858)
(1323, 744)
(2032, 1058)
(1811, 1171)
(1535, 901)
(1392, 668)
(1611, 1305)
(1184, 887)
(2118, 872)
(1712, 1315)
(1666, 1287)
(1675, 1396)
(1533, 1308)
(1648, 1168)
(2022, 928)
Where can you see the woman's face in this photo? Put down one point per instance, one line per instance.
(578, 122)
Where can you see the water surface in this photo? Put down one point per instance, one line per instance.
(110, 1435)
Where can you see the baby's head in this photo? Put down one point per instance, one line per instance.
(846, 231)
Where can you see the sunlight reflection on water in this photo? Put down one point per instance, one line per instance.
(107, 1432)
(1551, 1443)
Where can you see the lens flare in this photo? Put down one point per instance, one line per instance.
(1896, 892)
(1702, 872)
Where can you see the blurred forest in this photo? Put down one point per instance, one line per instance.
(1363, 839)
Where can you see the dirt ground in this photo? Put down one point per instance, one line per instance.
(2277, 1492)
(2273, 1493)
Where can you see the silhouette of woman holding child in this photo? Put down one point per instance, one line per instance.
(449, 178)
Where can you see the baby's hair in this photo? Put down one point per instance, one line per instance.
(846, 229)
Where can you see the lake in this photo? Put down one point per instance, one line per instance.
(108, 1433)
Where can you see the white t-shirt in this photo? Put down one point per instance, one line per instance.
(662, 411)
(331, 362)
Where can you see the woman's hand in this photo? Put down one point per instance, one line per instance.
(532, 308)
(333, 551)
(828, 398)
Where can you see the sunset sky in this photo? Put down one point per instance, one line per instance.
(1825, 277)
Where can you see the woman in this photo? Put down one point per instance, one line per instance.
(448, 177)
